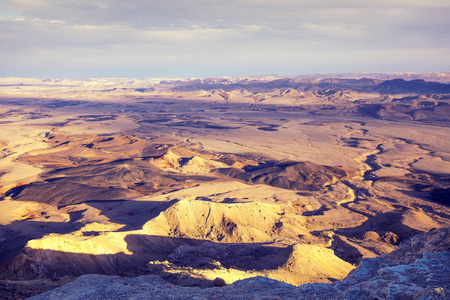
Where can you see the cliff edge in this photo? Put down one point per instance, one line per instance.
(418, 269)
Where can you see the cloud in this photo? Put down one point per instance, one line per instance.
(215, 36)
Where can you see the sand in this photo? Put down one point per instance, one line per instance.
(191, 190)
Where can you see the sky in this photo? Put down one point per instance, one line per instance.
(211, 38)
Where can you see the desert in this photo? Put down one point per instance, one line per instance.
(204, 185)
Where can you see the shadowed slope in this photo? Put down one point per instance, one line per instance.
(299, 176)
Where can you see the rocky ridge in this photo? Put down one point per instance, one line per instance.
(417, 270)
(208, 182)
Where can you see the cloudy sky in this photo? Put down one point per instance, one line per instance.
(203, 38)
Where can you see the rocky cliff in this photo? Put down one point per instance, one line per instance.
(418, 269)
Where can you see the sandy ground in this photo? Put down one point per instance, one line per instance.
(17, 140)
(192, 191)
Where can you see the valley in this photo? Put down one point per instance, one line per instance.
(206, 182)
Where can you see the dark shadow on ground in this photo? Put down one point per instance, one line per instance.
(18, 233)
(201, 254)
(198, 254)
(134, 214)
(381, 223)
(117, 180)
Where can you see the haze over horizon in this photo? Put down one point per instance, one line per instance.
(144, 39)
(211, 149)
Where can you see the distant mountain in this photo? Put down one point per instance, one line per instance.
(328, 85)
(267, 89)
(443, 77)
(398, 86)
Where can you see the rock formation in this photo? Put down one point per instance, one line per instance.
(200, 185)
(418, 269)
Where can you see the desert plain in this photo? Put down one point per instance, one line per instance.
(204, 182)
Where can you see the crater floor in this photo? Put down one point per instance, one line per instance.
(194, 190)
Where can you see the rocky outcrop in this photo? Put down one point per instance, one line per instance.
(417, 270)
(301, 176)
